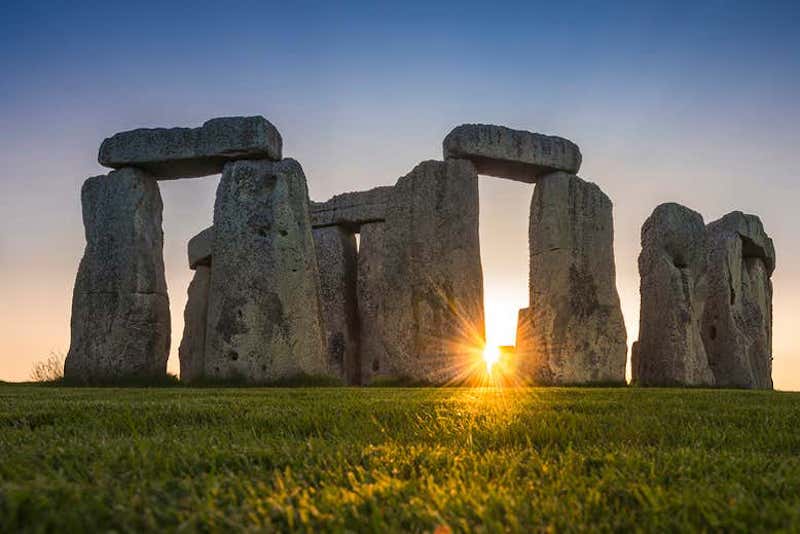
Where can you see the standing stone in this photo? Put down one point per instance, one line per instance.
(433, 302)
(120, 309)
(192, 349)
(264, 318)
(337, 256)
(672, 268)
(199, 248)
(513, 154)
(169, 153)
(737, 320)
(371, 288)
(573, 332)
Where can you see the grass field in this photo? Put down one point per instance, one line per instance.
(339, 459)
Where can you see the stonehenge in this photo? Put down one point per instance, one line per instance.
(706, 312)
(385, 285)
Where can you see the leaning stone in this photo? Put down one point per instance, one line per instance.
(120, 309)
(191, 152)
(264, 317)
(352, 209)
(192, 349)
(737, 319)
(371, 289)
(672, 268)
(513, 154)
(573, 332)
(200, 248)
(337, 256)
(433, 302)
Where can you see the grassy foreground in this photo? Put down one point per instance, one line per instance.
(340, 459)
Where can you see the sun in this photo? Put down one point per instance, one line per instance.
(491, 355)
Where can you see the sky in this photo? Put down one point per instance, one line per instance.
(696, 103)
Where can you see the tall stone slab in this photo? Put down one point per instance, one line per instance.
(120, 328)
(371, 290)
(573, 332)
(672, 268)
(433, 301)
(737, 318)
(337, 256)
(195, 316)
(264, 317)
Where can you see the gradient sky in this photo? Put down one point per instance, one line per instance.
(696, 104)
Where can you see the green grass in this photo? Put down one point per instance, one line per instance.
(376, 459)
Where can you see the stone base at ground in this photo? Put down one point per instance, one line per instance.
(573, 332)
(264, 317)
(120, 309)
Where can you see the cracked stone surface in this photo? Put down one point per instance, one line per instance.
(672, 268)
(351, 210)
(513, 154)
(264, 317)
(169, 153)
(737, 318)
(120, 327)
(573, 331)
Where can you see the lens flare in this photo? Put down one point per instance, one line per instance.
(491, 355)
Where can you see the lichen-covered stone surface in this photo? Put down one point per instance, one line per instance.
(351, 210)
(120, 328)
(169, 153)
(433, 300)
(672, 268)
(195, 316)
(371, 286)
(573, 332)
(513, 154)
(199, 248)
(737, 318)
(264, 317)
(337, 256)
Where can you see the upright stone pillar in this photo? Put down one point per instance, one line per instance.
(573, 332)
(371, 288)
(195, 316)
(337, 256)
(672, 268)
(264, 318)
(737, 318)
(433, 305)
(120, 325)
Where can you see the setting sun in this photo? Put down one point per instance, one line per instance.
(491, 355)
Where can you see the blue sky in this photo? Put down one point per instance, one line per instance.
(689, 102)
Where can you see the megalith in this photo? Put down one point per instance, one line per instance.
(195, 316)
(433, 281)
(737, 318)
(337, 256)
(513, 154)
(169, 153)
(371, 290)
(573, 331)
(120, 327)
(673, 287)
(353, 209)
(264, 316)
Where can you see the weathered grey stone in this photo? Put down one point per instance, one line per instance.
(672, 267)
(120, 309)
(351, 210)
(264, 318)
(195, 316)
(573, 332)
(737, 319)
(200, 248)
(169, 153)
(514, 154)
(371, 288)
(433, 301)
(337, 256)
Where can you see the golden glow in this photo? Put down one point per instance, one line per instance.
(491, 355)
